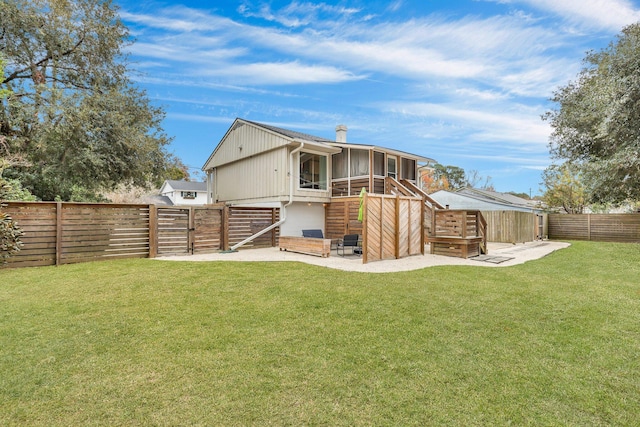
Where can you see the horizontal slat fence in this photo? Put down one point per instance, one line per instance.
(623, 228)
(245, 222)
(341, 217)
(38, 222)
(61, 233)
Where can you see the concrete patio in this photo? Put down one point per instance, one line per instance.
(501, 255)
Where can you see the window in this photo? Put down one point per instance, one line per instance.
(378, 163)
(340, 164)
(188, 194)
(409, 169)
(313, 171)
(392, 170)
(359, 162)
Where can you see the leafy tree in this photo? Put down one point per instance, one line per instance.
(473, 179)
(596, 126)
(564, 188)
(453, 175)
(10, 233)
(74, 118)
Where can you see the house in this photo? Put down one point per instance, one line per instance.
(260, 165)
(510, 219)
(485, 200)
(184, 192)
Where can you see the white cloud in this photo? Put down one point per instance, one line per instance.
(520, 128)
(280, 73)
(606, 14)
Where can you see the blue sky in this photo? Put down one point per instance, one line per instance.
(462, 82)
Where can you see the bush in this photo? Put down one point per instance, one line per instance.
(10, 233)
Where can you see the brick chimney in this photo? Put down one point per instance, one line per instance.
(341, 133)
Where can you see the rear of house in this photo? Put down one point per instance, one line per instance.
(261, 165)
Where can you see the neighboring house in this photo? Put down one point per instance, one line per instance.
(484, 200)
(509, 218)
(185, 192)
(261, 165)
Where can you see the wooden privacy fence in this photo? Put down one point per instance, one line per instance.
(458, 233)
(623, 228)
(393, 227)
(62, 233)
(514, 226)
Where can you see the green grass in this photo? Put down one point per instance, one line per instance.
(147, 342)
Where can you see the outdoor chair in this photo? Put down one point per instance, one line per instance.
(349, 241)
(313, 233)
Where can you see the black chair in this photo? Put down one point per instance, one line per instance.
(349, 241)
(313, 233)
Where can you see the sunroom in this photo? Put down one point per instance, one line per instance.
(358, 166)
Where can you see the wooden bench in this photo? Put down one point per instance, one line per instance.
(306, 245)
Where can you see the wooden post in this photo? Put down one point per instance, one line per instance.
(589, 227)
(58, 233)
(153, 231)
(346, 217)
(397, 234)
(191, 228)
(423, 206)
(365, 233)
(225, 228)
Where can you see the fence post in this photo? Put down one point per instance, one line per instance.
(191, 228)
(589, 227)
(397, 236)
(225, 228)
(153, 231)
(58, 233)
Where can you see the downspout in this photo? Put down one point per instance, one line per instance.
(283, 213)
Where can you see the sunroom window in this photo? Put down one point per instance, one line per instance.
(409, 169)
(313, 171)
(359, 162)
(340, 164)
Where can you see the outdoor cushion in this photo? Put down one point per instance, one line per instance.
(313, 233)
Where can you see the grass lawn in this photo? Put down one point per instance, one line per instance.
(147, 342)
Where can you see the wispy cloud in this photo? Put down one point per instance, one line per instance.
(465, 88)
(606, 14)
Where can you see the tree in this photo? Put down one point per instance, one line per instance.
(596, 127)
(564, 188)
(473, 179)
(453, 175)
(10, 233)
(74, 118)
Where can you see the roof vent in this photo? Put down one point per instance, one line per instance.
(341, 133)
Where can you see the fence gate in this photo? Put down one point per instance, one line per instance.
(189, 230)
(173, 231)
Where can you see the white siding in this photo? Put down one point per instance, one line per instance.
(244, 141)
(303, 216)
(261, 177)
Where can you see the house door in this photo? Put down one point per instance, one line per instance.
(392, 167)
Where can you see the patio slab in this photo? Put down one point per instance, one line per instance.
(517, 254)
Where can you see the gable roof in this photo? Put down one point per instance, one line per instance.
(292, 134)
(504, 198)
(287, 137)
(324, 144)
(180, 185)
